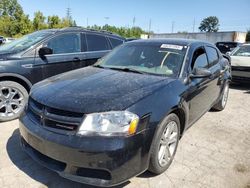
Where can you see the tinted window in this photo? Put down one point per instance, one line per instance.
(115, 42)
(84, 42)
(97, 42)
(212, 55)
(200, 59)
(66, 43)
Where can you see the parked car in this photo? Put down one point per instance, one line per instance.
(8, 40)
(106, 123)
(43, 54)
(240, 60)
(225, 47)
(1, 40)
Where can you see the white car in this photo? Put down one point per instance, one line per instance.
(240, 62)
(8, 40)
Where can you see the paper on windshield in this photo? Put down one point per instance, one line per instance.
(172, 46)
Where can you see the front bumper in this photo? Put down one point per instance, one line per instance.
(240, 73)
(100, 161)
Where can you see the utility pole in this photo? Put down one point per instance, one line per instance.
(193, 25)
(149, 26)
(87, 22)
(173, 26)
(134, 21)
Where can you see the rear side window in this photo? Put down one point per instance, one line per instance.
(97, 42)
(212, 55)
(84, 43)
(115, 42)
(65, 43)
(199, 59)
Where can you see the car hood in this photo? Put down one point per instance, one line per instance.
(92, 89)
(240, 61)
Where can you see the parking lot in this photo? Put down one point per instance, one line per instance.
(215, 152)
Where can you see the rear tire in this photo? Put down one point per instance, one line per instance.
(13, 98)
(221, 104)
(165, 144)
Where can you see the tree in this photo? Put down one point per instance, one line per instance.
(209, 24)
(13, 21)
(39, 21)
(54, 22)
(248, 36)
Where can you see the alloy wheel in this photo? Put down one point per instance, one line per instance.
(168, 143)
(11, 101)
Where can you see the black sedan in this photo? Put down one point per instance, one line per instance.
(104, 124)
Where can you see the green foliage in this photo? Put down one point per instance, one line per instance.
(53, 22)
(123, 31)
(248, 36)
(39, 21)
(209, 24)
(15, 23)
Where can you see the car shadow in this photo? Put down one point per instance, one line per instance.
(245, 87)
(37, 172)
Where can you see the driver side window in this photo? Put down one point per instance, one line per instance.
(199, 59)
(65, 43)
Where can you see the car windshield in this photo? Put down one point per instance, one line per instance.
(156, 59)
(242, 51)
(25, 42)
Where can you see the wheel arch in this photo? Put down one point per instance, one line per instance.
(180, 112)
(16, 78)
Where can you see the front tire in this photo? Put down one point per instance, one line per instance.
(13, 98)
(165, 144)
(221, 104)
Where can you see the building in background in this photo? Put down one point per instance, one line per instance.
(213, 37)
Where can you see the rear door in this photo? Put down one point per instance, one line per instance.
(215, 68)
(97, 47)
(66, 54)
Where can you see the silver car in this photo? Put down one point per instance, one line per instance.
(240, 62)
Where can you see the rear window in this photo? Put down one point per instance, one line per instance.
(97, 42)
(115, 42)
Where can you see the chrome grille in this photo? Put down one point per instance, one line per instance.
(53, 118)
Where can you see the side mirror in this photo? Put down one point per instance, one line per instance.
(200, 73)
(228, 53)
(45, 51)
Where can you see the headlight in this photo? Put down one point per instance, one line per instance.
(109, 123)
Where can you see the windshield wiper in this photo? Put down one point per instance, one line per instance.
(121, 69)
(99, 66)
(127, 70)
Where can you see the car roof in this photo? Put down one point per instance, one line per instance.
(176, 41)
(230, 42)
(81, 29)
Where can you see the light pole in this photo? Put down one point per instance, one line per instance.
(106, 20)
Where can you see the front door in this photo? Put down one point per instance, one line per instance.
(66, 55)
(199, 88)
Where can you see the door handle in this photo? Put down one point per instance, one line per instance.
(28, 66)
(76, 59)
